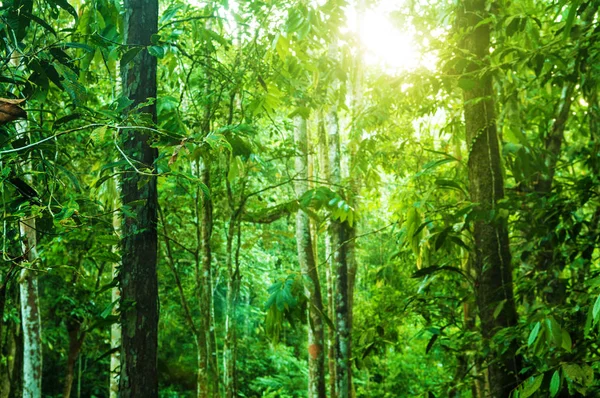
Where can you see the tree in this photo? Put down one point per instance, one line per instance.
(306, 258)
(492, 253)
(138, 280)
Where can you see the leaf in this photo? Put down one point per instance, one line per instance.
(555, 383)
(129, 56)
(574, 372)
(596, 310)
(499, 308)
(531, 385)
(156, 51)
(555, 330)
(431, 343)
(570, 18)
(466, 84)
(534, 333)
(434, 268)
(64, 4)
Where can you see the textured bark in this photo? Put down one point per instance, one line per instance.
(492, 255)
(76, 337)
(138, 280)
(207, 378)
(30, 315)
(339, 239)
(306, 259)
(325, 173)
(115, 328)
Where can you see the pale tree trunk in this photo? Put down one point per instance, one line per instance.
(316, 353)
(324, 169)
(339, 240)
(492, 255)
(203, 286)
(30, 315)
(138, 278)
(115, 328)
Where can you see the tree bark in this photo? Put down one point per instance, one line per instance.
(30, 315)
(115, 328)
(492, 255)
(339, 239)
(76, 337)
(138, 279)
(306, 258)
(325, 173)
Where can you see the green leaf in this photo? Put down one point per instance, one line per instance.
(531, 385)
(534, 333)
(467, 84)
(555, 331)
(156, 51)
(499, 308)
(555, 383)
(596, 310)
(129, 56)
(570, 18)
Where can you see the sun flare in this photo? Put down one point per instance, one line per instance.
(383, 44)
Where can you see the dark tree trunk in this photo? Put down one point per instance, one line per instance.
(139, 287)
(76, 338)
(492, 253)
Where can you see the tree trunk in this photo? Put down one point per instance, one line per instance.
(138, 280)
(76, 338)
(115, 328)
(325, 173)
(492, 255)
(339, 238)
(30, 315)
(316, 353)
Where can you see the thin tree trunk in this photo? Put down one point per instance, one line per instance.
(339, 238)
(30, 315)
(138, 279)
(492, 255)
(115, 328)
(76, 337)
(316, 353)
(325, 172)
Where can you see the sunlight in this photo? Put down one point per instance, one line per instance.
(384, 44)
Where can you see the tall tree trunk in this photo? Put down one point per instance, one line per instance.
(325, 173)
(316, 353)
(138, 280)
(115, 328)
(492, 255)
(339, 239)
(30, 315)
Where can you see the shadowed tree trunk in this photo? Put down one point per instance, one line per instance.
(139, 286)
(306, 258)
(492, 260)
(339, 238)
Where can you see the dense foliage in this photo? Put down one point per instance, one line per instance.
(327, 223)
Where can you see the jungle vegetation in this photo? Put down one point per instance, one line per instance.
(299, 198)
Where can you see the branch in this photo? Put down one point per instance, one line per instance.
(271, 214)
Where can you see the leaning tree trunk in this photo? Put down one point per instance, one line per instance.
(139, 285)
(306, 258)
(30, 315)
(492, 254)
